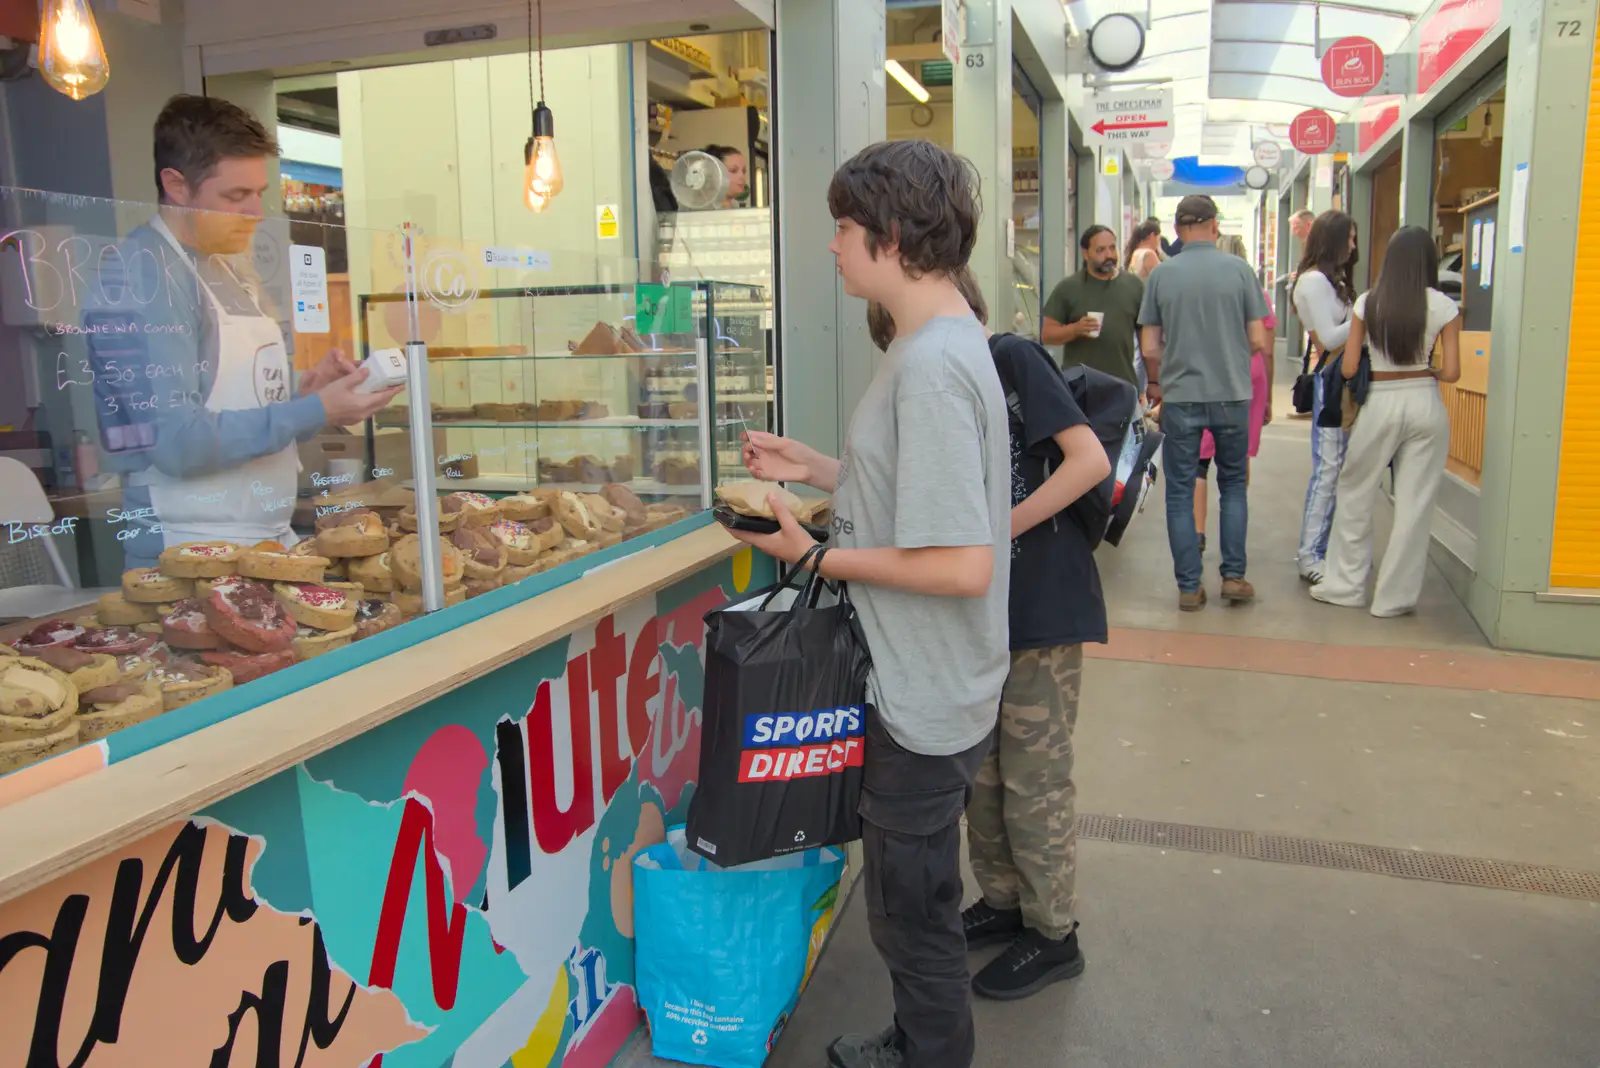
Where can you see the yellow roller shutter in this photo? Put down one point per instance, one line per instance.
(1575, 545)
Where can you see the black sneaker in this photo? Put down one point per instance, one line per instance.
(987, 926)
(1032, 963)
(881, 1050)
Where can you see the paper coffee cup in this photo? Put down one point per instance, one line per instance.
(1097, 319)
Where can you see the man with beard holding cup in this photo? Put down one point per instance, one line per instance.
(1094, 314)
(213, 456)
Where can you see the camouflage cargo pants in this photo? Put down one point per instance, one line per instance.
(1020, 821)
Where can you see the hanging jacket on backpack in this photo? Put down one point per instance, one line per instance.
(1112, 407)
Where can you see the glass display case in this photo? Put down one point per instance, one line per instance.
(588, 385)
(206, 506)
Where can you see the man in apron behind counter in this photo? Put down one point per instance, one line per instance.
(223, 463)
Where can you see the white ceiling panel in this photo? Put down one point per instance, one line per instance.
(1236, 65)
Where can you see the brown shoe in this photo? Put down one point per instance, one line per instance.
(1237, 591)
(1192, 602)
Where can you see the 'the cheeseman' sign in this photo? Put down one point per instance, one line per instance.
(1124, 118)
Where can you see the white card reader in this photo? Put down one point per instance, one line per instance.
(386, 368)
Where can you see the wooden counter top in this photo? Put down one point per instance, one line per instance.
(44, 836)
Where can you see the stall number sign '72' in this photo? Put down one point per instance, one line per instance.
(1124, 118)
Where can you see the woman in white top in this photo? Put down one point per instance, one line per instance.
(1323, 292)
(1403, 422)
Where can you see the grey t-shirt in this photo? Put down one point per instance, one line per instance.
(1203, 300)
(927, 463)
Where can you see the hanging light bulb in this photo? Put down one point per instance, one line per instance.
(541, 179)
(541, 175)
(71, 57)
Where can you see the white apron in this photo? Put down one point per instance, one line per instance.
(254, 501)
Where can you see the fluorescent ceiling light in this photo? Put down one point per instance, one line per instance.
(907, 82)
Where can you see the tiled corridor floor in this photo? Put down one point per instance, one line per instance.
(1300, 719)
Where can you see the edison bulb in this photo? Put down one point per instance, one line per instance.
(71, 55)
(541, 178)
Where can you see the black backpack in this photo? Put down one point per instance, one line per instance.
(1112, 407)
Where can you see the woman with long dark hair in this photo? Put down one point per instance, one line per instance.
(1323, 292)
(1146, 235)
(1402, 422)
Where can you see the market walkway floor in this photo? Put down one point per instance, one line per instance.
(1310, 837)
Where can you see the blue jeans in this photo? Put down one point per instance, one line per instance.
(1229, 423)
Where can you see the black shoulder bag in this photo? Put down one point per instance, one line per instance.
(1305, 383)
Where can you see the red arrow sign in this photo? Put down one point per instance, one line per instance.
(1102, 127)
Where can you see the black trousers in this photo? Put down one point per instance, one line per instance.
(911, 807)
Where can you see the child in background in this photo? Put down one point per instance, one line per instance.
(1020, 821)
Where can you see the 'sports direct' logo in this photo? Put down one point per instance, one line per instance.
(778, 748)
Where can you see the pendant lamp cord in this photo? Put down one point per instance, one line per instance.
(532, 37)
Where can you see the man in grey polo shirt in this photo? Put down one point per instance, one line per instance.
(1200, 321)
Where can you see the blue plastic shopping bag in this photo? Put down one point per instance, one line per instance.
(722, 954)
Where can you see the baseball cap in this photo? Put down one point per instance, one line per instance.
(1193, 210)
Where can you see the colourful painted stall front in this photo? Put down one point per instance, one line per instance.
(451, 887)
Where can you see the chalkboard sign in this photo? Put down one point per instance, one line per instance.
(1478, 263)
(119, 356)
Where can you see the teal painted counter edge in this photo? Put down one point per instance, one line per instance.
(141, 737)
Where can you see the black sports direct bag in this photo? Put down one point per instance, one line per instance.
(784, 732)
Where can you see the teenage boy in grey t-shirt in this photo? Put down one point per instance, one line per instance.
(921, 532)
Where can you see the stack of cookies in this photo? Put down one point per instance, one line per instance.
(355, 543)
(259, 610)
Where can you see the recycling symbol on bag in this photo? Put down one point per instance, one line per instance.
(699, 1037)
(799, 836)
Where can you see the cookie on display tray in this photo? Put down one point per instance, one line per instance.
(357, 533)
(115, 610)
(199, 559)
(374, 616)
(373, 574)
(115, 641)
(148, 585)
(246, 666)
(51, 634)
(186, 627)
(311, 643)
(483, 556)
(522, 507)
(85, 670)
(37, 712)
(184, 681)
(107, 709)
(249, 616)
(522, 545)
(405, 560)
(272, 566)
(317, 606)
(475, 509)
(410, 603)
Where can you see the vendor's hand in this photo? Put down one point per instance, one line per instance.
(1153, 392)
(789, 544)
(332, 367)
(345, 407)
(774, 459)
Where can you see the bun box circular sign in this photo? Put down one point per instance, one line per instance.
(1352, 66)
(1312, 132)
